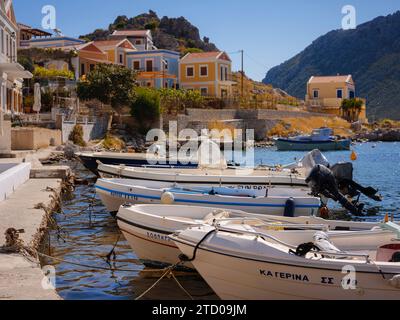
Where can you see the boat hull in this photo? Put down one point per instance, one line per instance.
(114, 195)
(293, 145)
(152, 246)
(90, 161)
(230, 177)
(237, 277)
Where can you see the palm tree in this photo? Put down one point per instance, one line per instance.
(351, 109)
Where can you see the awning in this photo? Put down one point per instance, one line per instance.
(15, 71)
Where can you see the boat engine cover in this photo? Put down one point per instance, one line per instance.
(312, 159)
(343, 171)
(322, 241)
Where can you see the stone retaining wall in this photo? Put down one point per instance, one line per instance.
(261, 121)
(34, 138)
(91, 130)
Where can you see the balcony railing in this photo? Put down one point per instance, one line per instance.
(154, 69)
(327, 102)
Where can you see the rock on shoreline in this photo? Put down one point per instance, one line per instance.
(385, 135)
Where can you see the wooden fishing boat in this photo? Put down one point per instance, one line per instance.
(320, 139)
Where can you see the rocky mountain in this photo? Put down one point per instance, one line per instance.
(168, 33)
(371, 53)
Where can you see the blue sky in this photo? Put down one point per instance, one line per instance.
(269, 31)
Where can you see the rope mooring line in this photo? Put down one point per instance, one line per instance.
(82, 264)
(168, 272)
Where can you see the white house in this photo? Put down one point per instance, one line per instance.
(11, 72)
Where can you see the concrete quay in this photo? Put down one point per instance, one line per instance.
(28, 209)
(21, 279)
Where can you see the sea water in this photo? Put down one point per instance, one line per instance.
(86, 233)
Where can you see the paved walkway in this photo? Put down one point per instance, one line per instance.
(19, 278)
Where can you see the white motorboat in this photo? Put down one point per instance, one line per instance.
(244, 263)
(273, 201)
(231, 177)
(147, 227)
(91, 159)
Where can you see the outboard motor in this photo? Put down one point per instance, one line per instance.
(312, 159)
(343, 173)
(322, 181)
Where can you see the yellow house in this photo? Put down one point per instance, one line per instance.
(116, 50)
(208, 72)
(325, 94)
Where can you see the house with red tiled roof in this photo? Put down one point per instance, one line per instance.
(208, 72)
(141, 39)
(87, 57)
(325, 94)
(116, 49)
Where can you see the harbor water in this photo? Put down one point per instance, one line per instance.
(86, 233)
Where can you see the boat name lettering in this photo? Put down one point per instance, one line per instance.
(254, 187)
(122, 195)
(327, 280)
(157, 236)
(285, 275)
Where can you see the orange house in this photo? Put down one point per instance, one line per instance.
(88, 56)
(116, 50)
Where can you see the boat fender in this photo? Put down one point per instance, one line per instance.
(395, 281)
(290, 208)
(167, 198)
(324, 213)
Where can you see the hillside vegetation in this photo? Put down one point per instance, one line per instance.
(176, 34)
(371, 53)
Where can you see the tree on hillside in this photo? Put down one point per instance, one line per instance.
(146, 108)
(110, 84)
(351, 109)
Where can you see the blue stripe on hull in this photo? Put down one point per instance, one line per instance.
(126, 194)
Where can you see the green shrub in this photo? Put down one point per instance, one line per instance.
(191, 50)
(47, 100)
(145, 108)
(76, 136)
(41, 72)
(28, 101)
(113, 143)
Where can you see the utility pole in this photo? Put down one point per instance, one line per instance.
(242, 84)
